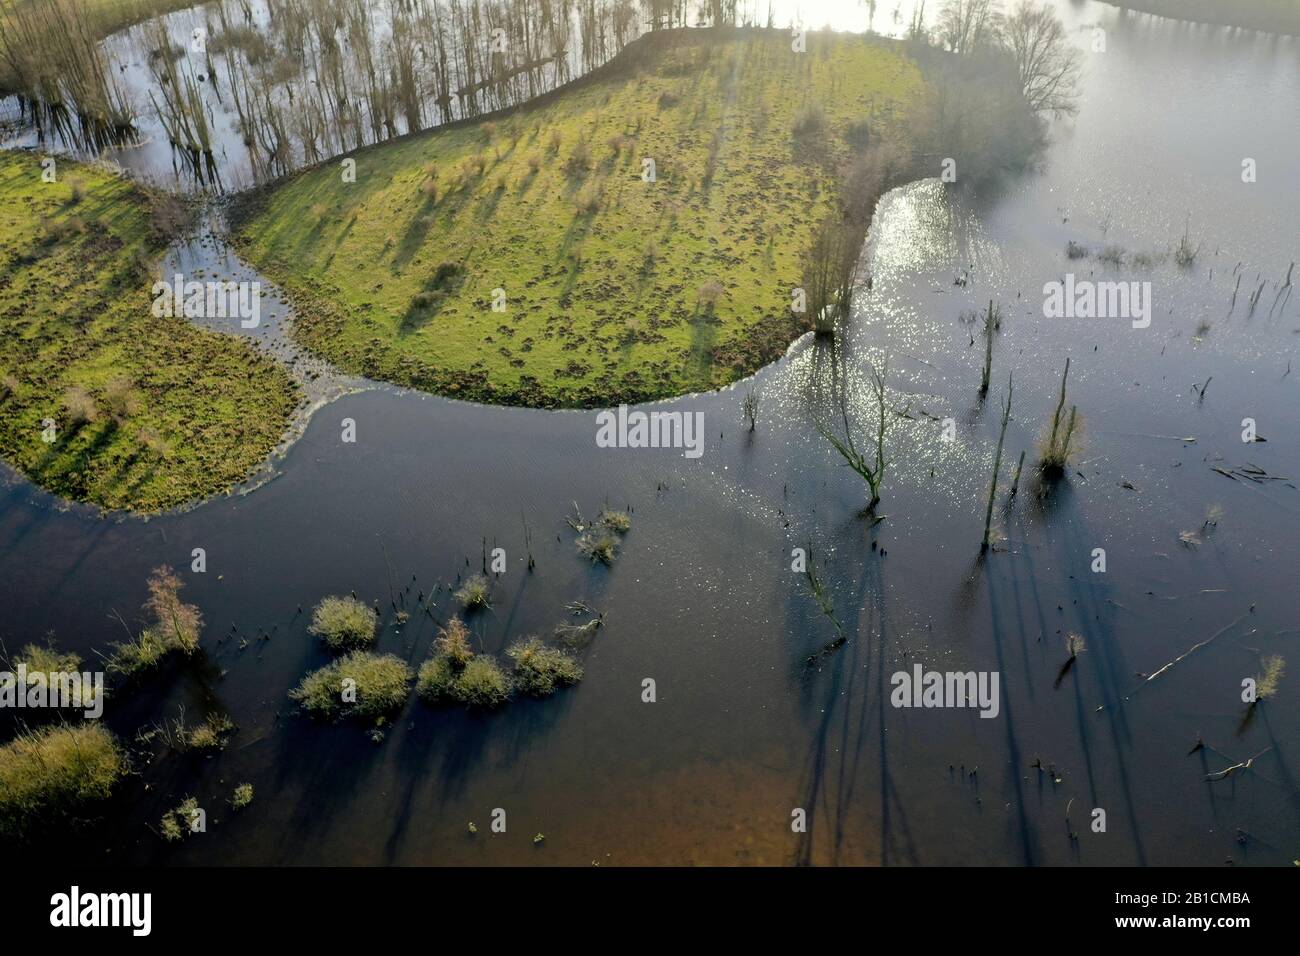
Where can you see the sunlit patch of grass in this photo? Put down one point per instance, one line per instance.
(148, 412)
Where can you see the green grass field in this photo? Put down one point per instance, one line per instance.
(148, 413)
(614, 288)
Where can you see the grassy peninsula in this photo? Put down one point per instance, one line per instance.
(525, 258)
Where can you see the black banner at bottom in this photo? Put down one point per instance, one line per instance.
(336, 906)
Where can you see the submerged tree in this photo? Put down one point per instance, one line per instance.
(997, 465)
(870, 469)
(992, 321)
(749, 407)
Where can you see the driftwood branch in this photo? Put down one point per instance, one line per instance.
(1196, 647)
(1244, 765)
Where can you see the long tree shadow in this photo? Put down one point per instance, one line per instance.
(1027, 840)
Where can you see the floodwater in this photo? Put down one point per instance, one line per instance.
(280, 88)
(745, 730)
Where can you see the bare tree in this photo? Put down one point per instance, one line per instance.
(831, 271)
(968, 25)
(871, 470)
(1048, 65)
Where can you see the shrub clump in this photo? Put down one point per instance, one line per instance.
(579, 160)
(211, 734)
(343, 623)
(456, 673)
(600, 546)
(53, 771)
(474, 593)
(242, 796)
(360, 684)
(179, 822)
(46, 660)
(618, 521)
(810, 126)
(540, 670)
(175, 627)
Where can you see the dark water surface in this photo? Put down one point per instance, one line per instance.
(703, 600)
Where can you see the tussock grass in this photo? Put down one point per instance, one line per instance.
(344, 623)
(598, 545)
(178, 823)
(377, 684)
(1185, 253)
(242, 796)
(49, 773)
(46, 659)
(541, 670)
(1267, 683)
(211, 734)
(1061, 442)
(475, 593)
(620, 522)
